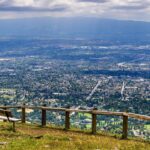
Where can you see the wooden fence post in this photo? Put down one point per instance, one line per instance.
(44, 116)
(5, 109)
(23, 116)
(67, 120)
(125, 127)
(94, 122)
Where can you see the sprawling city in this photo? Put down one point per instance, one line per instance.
(77, 73)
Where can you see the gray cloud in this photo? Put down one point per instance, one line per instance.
(12, 5)
(133, 5)
(57, 8)
(118, 9)
(130, 7)
(6, 2)
(94, 1)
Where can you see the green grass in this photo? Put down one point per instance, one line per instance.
(147, 127)
(85, 114)
(33, 137)
(7, 96)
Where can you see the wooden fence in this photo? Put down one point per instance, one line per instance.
(93, 112)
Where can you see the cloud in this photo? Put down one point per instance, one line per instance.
(94, 1)
(31, 6)
(57, 8)
(124, 7)
(133, 5)
(118, 9)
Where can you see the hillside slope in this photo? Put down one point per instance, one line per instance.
(33, 137)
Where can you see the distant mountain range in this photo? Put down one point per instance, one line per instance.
(75, 27)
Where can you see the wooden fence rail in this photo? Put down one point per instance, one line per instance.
(68, 111)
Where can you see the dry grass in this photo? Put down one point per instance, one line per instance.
(33, 137)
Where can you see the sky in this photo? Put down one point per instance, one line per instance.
(114, 9)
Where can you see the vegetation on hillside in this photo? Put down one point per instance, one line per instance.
(33, 137)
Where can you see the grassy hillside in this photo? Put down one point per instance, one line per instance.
(33, 137)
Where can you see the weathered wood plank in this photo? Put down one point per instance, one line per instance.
(96, 112)
(23, 114)
(8, 107)
(79, 110)
(67, 120)
(43, 116)
(125, 127)
(93, 123)
(54, 109)
(140, 117)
